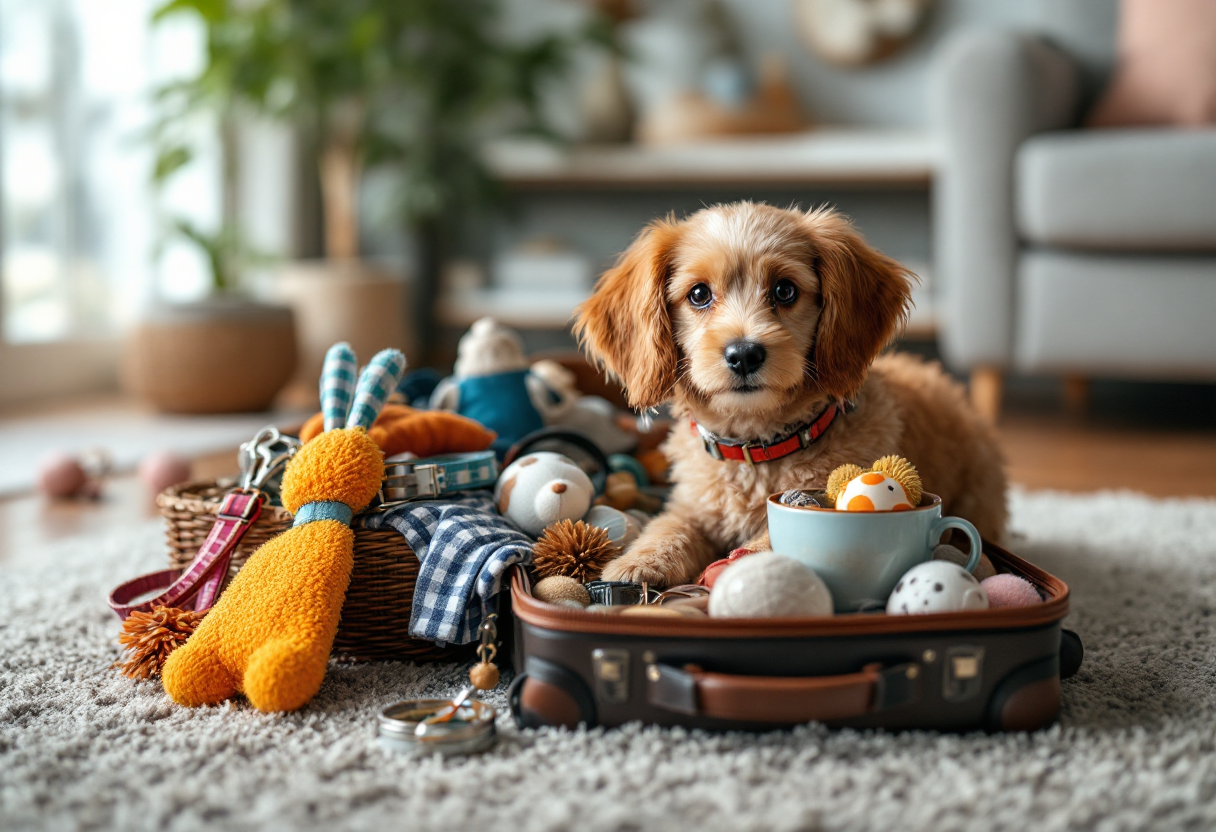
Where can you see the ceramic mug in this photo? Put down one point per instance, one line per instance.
(861, 555)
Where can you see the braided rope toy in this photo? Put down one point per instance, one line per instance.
(271, 632)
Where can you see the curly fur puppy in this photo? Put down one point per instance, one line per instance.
(752, 321)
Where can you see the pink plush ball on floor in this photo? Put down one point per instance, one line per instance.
(60, 475)
(162, 469)
(1007, 590)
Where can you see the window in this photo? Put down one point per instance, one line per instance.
(79, 222)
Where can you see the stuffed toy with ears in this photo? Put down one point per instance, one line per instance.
(271, 632)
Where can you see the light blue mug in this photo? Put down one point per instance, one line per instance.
(861, 555)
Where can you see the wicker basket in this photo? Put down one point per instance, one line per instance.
(376, 615)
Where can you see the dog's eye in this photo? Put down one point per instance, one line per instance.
(700, 296)
(785, 292)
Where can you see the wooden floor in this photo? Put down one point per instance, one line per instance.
(1163, 448)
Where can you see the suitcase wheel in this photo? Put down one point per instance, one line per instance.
(549, 694)
(1072, 653)
(1027, 699)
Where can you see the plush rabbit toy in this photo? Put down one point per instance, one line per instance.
(270, 634)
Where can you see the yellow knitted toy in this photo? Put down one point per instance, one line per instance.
(270, 634)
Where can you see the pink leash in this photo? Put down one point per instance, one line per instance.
(204, 577)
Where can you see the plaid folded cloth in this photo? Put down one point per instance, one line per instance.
(464, 547)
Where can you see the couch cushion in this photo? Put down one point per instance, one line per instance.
(1119, 190)
(1116, 315)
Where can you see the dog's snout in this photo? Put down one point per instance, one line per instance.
(744, 357)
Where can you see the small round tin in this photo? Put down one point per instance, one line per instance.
(469, 732)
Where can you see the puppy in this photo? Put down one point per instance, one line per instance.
(756, 324)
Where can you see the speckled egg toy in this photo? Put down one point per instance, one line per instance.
(874, 491)
(936, 586)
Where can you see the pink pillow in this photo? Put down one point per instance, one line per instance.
(1166, 72)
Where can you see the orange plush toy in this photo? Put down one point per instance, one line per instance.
(399, 429)
(270, 634)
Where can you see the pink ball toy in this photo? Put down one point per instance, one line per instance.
(1007, 590)
(162, 469)
(61, 475)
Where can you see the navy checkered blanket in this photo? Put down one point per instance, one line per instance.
(464, 548)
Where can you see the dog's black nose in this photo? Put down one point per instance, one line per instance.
(744, 357)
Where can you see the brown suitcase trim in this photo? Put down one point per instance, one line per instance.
(1053, 609)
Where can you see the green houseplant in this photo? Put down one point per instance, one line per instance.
(410, 86)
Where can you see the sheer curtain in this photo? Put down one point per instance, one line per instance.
(81, 245)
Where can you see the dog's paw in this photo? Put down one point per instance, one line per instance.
(635, 569)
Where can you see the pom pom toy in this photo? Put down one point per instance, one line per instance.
(150, 637)
(541, 488)
(557, 589)
(768, 585)
(936, 586)
(573, 549)
(890, 484)
(1007, 590)
(61, 476)
(271, 632)
(160, 470)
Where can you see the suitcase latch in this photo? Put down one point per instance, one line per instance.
(963, 675)
(611, 670)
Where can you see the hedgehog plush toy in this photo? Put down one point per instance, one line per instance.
(890, 484)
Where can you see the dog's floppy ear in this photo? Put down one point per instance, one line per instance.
(865, 297)
(625, 326)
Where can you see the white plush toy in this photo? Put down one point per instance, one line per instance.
(542, 488)
(769, 585)
(936, 586)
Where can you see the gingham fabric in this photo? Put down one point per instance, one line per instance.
(464, 548)
(376, 383)
(338, 384)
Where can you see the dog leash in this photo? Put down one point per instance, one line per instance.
(199, 585)
(205, 575)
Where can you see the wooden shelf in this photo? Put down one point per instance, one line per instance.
(826, 156)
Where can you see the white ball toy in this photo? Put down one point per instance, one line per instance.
(542, 488)
(769, 585)
(874, 491)
(936, 586)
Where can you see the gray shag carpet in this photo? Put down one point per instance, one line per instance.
(81, 747)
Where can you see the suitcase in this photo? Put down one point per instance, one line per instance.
(996, 669)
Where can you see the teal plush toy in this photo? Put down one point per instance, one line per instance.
(493, 385)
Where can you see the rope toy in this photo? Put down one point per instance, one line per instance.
(271, 632)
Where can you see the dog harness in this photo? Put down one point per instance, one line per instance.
(752, 452)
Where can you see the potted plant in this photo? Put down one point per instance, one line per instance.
(410, 86)
(226, 353)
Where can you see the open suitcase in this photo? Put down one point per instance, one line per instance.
(996, 669)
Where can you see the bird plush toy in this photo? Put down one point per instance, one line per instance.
(270, 634)
(890, 484)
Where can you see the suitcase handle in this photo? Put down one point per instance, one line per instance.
(781, 699)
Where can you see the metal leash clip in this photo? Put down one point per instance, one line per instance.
(265, 456)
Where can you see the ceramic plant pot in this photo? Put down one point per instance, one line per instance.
(344, 300)
(220, 355)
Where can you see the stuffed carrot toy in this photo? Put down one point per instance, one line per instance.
(270, 634)
(400, 428)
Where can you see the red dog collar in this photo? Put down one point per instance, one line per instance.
(753, 452)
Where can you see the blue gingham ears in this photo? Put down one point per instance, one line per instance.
(343, 401)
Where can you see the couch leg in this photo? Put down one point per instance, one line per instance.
(987, 385)
(1076, 394)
